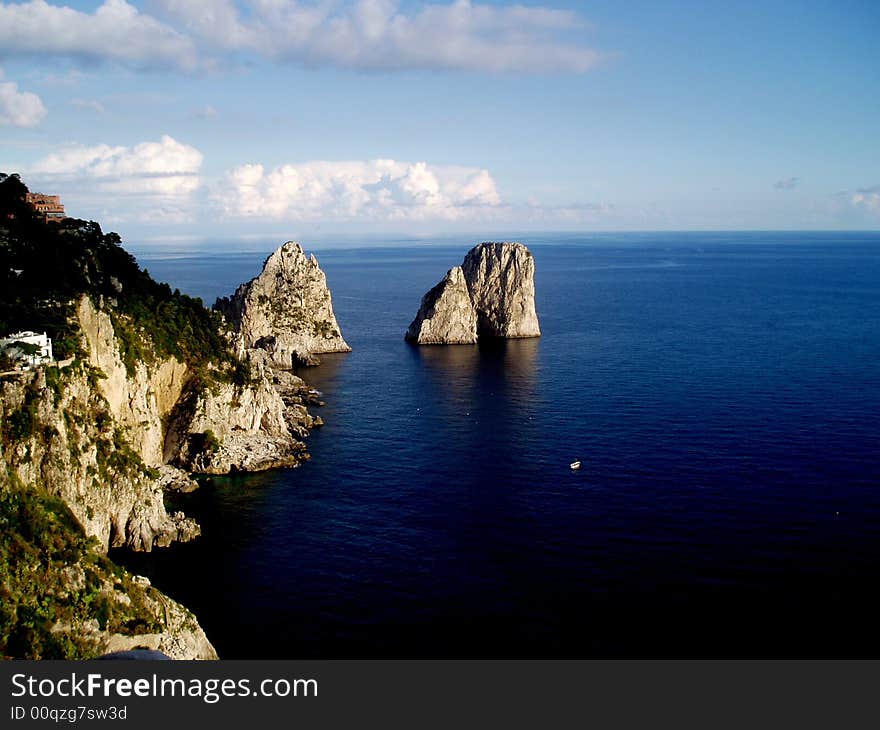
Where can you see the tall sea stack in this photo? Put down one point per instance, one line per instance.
(492, 294)
(286, 310)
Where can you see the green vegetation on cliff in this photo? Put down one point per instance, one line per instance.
(60, 597)
(46, 267)
(56, 590)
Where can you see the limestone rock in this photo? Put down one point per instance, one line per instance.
(111, 443)
(74, 449)
(286, 310)
(227, 428)
(501, 280)
(139, 401)
(492, 294)
(172, 421)
(172, 479)
(108, 437)
(446, 315)
(175, 630)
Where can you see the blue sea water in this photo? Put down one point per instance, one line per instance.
(721, 390)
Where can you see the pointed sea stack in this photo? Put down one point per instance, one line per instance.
(446, 316)
(492, 294)
(286, 310)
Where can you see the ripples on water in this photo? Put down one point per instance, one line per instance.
(721, 391)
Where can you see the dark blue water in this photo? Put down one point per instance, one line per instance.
(722, 391)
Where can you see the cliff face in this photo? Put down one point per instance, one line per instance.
(63, 599)
(148, 391)
(98, 437)
(60, 434)
(176, 632)
(446, 315)
(157, 622)
(103, 439)
(147, 377)
(501, 280)
(139, 402)
(286, 311)
(172, 417)
(223, 428)
(492, 294)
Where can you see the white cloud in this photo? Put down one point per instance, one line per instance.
(374, 190)
(165, 168)
(19, 108)
(160, 183)
(377, 34)
(115, 31)
(359, 34)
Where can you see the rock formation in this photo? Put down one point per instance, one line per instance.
(71, 445)
(171, 628)
(139, 401)
(178, 636)
(110, 442)
(231, 429)
(286, 310)
(492, 294)
(501, 280)
(446, 315)
(62, 441)
(105, 440)
(149, 392)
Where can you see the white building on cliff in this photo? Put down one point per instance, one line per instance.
(28, 349)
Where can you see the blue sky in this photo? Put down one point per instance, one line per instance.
(271, 117)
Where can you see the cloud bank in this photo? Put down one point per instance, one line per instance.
(164, 168)
(364, 34)
(115, 31)
(161, 182)
(375, 190)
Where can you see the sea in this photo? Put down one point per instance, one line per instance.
(721, 390)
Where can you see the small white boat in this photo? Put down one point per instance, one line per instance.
(575, 465)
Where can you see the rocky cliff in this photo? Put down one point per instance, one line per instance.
(139, 396)
(60, 435)
(64, 599)
(286, 311)
(174, 416)
(223, 428)
(492, 294)
(149, 390)
(109, 438)
(447, 315)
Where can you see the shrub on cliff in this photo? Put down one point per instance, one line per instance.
(44, 619)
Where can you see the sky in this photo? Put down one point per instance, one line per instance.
(166, 120)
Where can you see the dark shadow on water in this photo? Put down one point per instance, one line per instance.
(325, 375)
(463, 371)
(477, 399)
